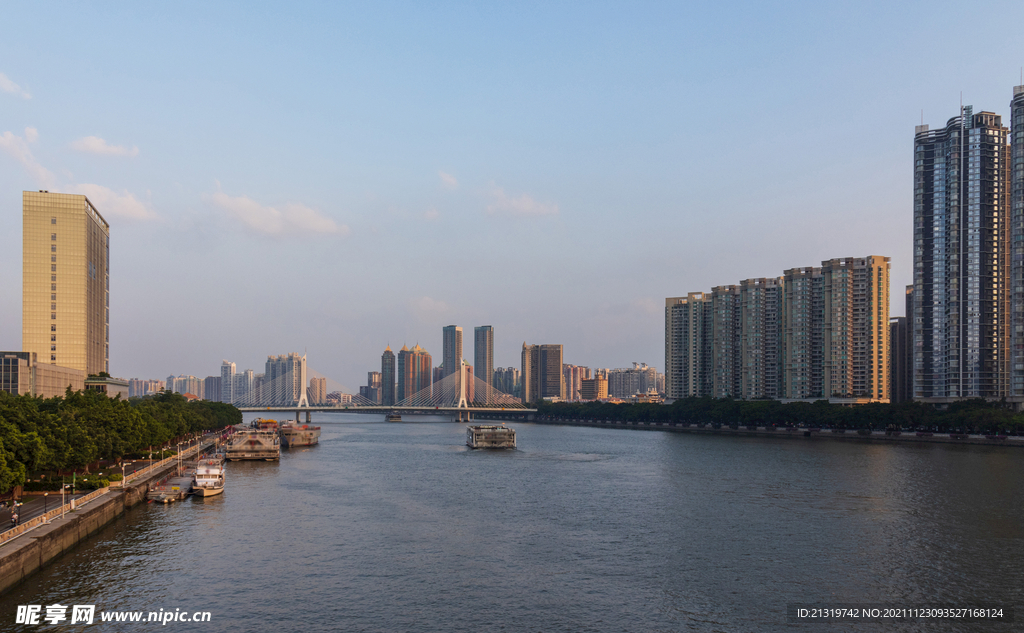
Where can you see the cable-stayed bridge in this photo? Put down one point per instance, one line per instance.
(459, 394)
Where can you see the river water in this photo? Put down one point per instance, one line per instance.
(400, 527)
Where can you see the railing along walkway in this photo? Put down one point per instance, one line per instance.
(73, 504)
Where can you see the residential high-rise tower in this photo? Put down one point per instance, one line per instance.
(387, 377)
(961, 259)
(451, 352)
(483, 355)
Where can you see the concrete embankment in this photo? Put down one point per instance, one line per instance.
(793, 433)
(33, 545)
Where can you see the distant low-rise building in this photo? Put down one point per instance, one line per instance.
(594, 389)
(624, 383)
(372, 390)
(508, 380)
(338, 398)
(112, 387)
(21, 373)
(138, 388)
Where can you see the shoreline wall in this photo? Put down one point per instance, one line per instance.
(878, 437)
(38, 545)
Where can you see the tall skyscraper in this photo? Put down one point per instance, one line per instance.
(227, 382)
(65, 281)
(961, 259)
(1016, 285)
(284, 382)
(483, 355)
(387, 377)
(542, 372)
(451, 352)
(415, 374)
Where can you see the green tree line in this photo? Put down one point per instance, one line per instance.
(70, 432)
(971, 416)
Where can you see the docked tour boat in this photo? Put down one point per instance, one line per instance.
(256, 443)
(299, 435)
(209, 477)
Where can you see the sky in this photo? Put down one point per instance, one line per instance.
(337, 177)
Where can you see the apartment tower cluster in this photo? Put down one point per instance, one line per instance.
(967, 302)
(813, 333)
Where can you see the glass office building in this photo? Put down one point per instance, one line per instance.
(65, 281)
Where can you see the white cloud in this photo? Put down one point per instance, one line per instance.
(431, 214)
(18, 148)
(448, 181)
(9, 86)
(292, 218)
(523, 206)
(110, 203)
(96, 145)
(425, 307)
(114, 205)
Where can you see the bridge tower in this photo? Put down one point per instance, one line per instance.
(303, 386)
(462, 405)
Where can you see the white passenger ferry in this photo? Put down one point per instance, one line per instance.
(488, 436)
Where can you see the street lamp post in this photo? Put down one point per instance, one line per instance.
(123, 482)
(63, 504)
(45, 499)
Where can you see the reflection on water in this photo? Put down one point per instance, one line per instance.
(387, 527)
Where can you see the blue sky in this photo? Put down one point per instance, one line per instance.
(337, 177)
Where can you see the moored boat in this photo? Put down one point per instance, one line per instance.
(393, 417)
(299, 435)
(254, 444)
(209, 477)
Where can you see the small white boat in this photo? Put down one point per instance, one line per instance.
(209, 477)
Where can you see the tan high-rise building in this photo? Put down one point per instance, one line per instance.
(65, 281)
(855, 359)
(317, 390)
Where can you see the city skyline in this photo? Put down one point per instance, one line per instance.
(210, 161)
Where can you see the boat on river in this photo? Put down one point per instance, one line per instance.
(393, 417)
(490, 436)
(261, 442)
(209, 478)
(299, 435)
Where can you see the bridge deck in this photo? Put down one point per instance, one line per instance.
(355, 408)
